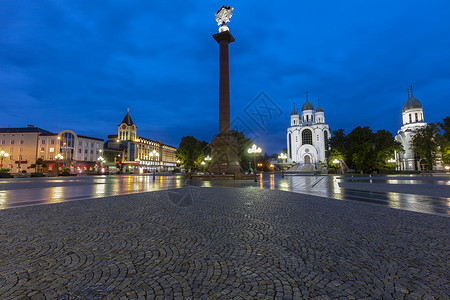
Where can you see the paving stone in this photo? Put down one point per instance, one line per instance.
(227, 244)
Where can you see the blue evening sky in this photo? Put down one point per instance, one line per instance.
(78, 65)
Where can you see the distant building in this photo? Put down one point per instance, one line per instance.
(307, 137)
(413, 120)
(138, 153)
(25, 145)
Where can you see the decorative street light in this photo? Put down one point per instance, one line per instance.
(58, 157)
(156, 155)
(254, 150)
(338, 161)
(203, 165)
(282, 156)
(2, 155)
(101, 160)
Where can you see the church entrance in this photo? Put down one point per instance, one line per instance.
(307, 159)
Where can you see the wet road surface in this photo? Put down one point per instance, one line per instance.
(421, 194)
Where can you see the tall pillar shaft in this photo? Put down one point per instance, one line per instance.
(224, 38)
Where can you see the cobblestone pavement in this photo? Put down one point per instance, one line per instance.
(222, 243)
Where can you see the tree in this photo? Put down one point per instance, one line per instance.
(385, 147)
(191, 152)
(444, 140)
(361, 148)
(425, 145)
(244, 143)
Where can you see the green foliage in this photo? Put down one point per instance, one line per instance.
(363, 149)
(444, 140)
(4, 170)
(244, 144)
(425, 145)
(191, 152)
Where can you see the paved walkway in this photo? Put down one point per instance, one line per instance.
(222, 243)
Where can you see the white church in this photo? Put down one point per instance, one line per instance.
(412, 116)
(308, 137)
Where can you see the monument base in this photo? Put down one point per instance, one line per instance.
(224, 152)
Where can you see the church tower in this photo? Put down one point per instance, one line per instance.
(412, 118)
(127, 129)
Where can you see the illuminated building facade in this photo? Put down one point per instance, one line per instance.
(413, 120)
(139, 154)
(25, 145)
(308, 137)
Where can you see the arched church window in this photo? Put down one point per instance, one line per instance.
(307, 118)
(306, 137)
(410, 118)
(417, 119)
(290, 148)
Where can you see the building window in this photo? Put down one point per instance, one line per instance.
(52, 142)
(92, 144)
(92, 151)
(80, 143)
(417, 119)
(42, 149)
(92, 159)
(3, 142)
(410, 118)
(51, 157)
(43, 142)
(79, 150)
(306, 137)
(12, 142)
(21, 142)
(85, 158)
(85, 151)
(20, 149)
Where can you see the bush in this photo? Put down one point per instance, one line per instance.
(4, 170)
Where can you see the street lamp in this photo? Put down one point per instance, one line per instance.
(282, 156)
(2, 155)
(156, 155)
(338, 161)
(203, 165)
(58, 157)
(101, 160)
(254, 150)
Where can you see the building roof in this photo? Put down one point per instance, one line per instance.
(307, 106)
(127, 120)
(294, 112)
(411, 103)
(91, 138)
(319, 108)
(24, 130)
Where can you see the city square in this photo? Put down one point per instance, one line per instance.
(223, 242)
(281, 152)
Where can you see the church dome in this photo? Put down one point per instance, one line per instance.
(411, 103)
(294, 112)
(307, 106)
(319, 108)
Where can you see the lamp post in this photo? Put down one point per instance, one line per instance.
(203, 165)
(155, 154)
(282, 156)
(254, 150)
(2, 155)
(101, 160)
(58, 157)
(208, 159)
(338, 161)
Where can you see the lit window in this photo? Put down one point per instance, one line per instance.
(307, 137)
(52, 149)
